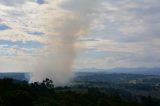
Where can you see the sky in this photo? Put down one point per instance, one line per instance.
(115, 33)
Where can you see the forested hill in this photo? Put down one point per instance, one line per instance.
(142, 71)
(20, 93)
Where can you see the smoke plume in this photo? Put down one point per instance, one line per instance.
(64, 30)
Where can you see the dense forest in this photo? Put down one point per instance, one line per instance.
(22, 93)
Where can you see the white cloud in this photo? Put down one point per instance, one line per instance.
(12, 2)
(125, 27)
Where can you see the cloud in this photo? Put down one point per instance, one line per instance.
(126, 20)
(119, 33)
(12, 2)
(82, 6)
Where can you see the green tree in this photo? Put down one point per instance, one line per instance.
(20, 98)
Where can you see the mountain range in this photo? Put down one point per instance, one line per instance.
(144, 71)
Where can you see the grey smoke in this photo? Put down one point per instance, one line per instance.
(75, 23)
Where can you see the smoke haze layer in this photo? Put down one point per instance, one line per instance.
(72, 23)
(57, 26)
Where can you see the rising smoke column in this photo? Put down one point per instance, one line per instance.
(63, 32)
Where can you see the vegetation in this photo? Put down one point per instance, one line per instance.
(18, 93)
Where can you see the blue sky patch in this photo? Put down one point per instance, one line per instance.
(4, 27)
(40, 1)
(21, 44)
(36, 33)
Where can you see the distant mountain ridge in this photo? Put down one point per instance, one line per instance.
(15, 75)
(145, 71)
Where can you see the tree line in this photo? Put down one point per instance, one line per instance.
(22, 93)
